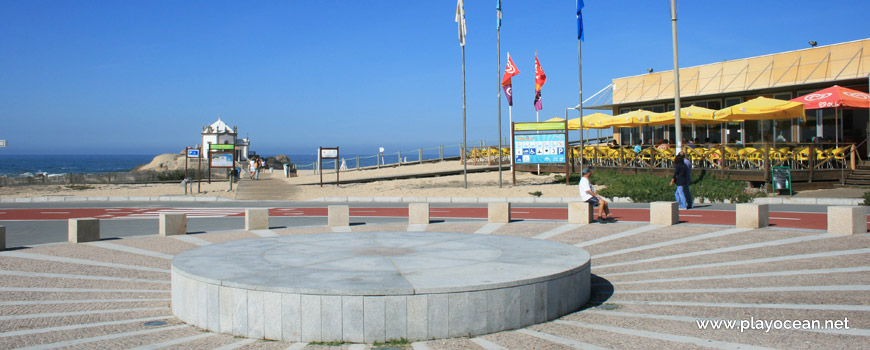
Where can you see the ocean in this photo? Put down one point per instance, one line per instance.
(28, 165)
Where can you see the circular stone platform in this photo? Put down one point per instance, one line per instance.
(377, 286)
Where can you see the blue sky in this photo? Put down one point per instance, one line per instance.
(143, 77)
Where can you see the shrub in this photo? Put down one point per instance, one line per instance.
(866, 198)
(171, 175)
(644, 188)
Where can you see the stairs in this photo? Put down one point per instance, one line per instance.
(860, 176)
(268, 187)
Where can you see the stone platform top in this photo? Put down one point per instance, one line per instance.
(380, 263)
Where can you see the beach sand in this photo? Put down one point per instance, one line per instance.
(479, 185)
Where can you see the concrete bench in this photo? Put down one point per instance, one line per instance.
(752, 215)
(664, 213)
(172, 224)
(418, 213)
(83, 230)
(499, 213)
(847, 220)
(580, 212)
(339, 215)
(257, 219)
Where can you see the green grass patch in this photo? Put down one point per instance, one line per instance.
(393, 342)
(328, 343)
(645, 188)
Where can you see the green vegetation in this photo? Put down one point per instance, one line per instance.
(171, 175)
(328, 343)
(537, 193)
(866, 198)
(80, 187)
(644, 188)
(393, 342)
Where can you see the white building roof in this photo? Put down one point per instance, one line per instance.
(219, 127)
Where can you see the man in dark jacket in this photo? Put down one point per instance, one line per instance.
(681, 179)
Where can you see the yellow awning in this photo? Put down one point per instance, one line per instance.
(761, 108)
(592, 121)
(639, 117)
(688, 115)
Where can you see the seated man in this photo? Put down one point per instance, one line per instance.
(587, 194)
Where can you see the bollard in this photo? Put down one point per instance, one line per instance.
(339, 215)
(752, 215)
(257, 219)
(664, 213)
(499, 213)
(418, 213)
(847, 220)
(2, 238)
(172, 224)
(83, 230)
(580, 213)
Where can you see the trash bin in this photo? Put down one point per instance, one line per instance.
(286, 170)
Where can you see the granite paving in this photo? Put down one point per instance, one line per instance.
(102, 305)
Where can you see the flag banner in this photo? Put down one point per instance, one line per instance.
(460, 19)
(510, 70)
(498, 14)
(579, 20)
(540, 79)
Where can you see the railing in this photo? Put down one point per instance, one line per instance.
(398, 158)
(797, 156)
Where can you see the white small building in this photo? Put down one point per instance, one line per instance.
(221, 133)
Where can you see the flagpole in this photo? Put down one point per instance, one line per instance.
(498, 85)
(580, 105)
(464, 138)
(677, 125)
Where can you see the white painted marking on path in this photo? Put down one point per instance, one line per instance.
(89, 301)
(236, 345)
(297, 346)
(80, 326)
(488, 229)
(622, 234)
(191, 239)
(77, 313)
(751, 290)
(32, 256)
(78, 277)
(486, 344)
(829, 307)
(560, 340)
(128, 249)
(519, 212)
(173, 342)
(785, 218)
(754, 275)
(101, 338)
(55, 212)
(747, 262)
(265, 233)
(674, 242)
(707, 343)
(723, 250)
(557, 231)
(80, 290)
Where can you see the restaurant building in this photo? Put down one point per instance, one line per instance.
(784, 76)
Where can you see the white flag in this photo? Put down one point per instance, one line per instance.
(460, 18)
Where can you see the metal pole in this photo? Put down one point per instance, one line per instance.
(498, 86)
(580, 100)
(511, 117)
(538, 120)
(679, 131)
(464, 139)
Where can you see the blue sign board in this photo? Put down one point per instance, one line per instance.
(193, 153)
(539, 149)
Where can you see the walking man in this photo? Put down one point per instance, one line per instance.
(587, 194)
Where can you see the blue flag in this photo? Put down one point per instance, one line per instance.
(579, 20)
(498, 14)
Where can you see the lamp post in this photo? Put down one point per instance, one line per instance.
(677, 124)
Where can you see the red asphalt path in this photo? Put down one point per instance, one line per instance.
(711, 217)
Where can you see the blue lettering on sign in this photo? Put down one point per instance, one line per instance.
(193, 153)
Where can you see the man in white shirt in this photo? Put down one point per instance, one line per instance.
(587, 194)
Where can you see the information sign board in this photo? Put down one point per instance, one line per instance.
(329, 153)
(539, 149)
(2, 143)
(193, 153)
(221, 159)
(781, 178)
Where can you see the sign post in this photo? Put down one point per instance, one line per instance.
(540, 143)
(329, 153)
(222, 156)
